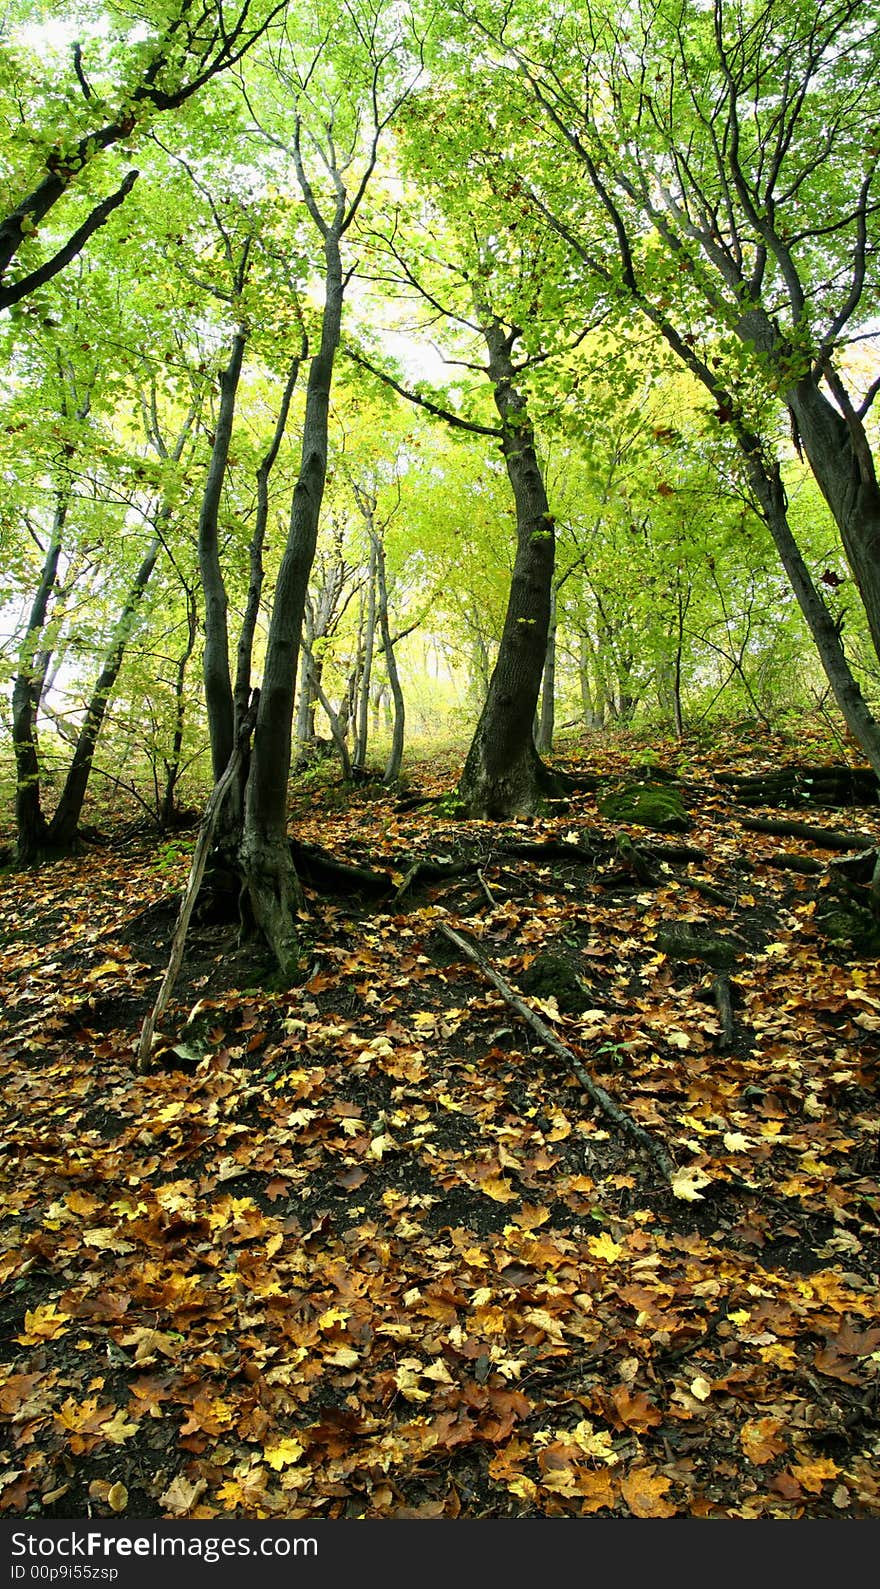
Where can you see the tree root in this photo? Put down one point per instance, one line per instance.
(823, 838)
(598, 1094)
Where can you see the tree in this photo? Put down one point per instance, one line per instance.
(107, 96)
(729, 198)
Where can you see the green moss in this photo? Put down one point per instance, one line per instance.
(552, 976)
(681, 942)
(649, 805)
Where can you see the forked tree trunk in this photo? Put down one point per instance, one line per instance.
(273, 889)
(64, 825)
(503, 774)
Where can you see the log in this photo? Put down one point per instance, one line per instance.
(600, 1097)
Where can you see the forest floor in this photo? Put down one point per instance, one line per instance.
(366, 1248)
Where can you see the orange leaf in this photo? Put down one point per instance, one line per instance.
(644, 1491)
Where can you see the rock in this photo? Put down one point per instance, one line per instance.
(649, 805)
(552, 976)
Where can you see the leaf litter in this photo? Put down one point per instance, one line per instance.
(365, 1248)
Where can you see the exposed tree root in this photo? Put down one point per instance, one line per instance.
(824, 838)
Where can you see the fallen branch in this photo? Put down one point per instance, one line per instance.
(194, 882)
(598, 1094)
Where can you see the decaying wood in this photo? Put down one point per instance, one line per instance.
(824, 838)
(598, 1094)
(202, 850)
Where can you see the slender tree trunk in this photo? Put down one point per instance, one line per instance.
(395, 758)
(272, 886)
(215, 664)
(64, 825)
(547, 718)
(172, 762)
(362, 732)
(31, 825)
(503, 774)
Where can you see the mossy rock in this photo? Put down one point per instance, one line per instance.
(552, 976)
(847, 923)
(650, 805)
(680, 941)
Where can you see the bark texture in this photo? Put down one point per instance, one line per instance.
(503, 774)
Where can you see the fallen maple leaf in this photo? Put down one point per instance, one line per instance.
(686, 1183)
(644, 1491)
(283, 1453)
(181, 1494)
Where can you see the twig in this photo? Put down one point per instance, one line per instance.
(598, 1094)
(194, 883)
(491, 901)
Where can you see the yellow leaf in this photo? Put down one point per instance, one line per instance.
(284, 1453)
(117, 1497)
(604, 1247)
(700, 1388)
(500, 1190)
(407, 1383)
(119, 1428)
(761, 1440)
(735, 1142)
(43, 1323)
(685, 1184)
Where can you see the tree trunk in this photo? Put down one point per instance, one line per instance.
(547, 718)
(172, 762)
(215, 664)
(363, 714)
(272, 886)
(32, 828)
(769, 492)
(395, 757)
(503, 774)
(65, 822)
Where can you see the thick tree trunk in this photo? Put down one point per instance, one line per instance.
(769, 492)
(503, 774)
(64, 825)
(840, 458)
(273, 888)
(31, 825)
